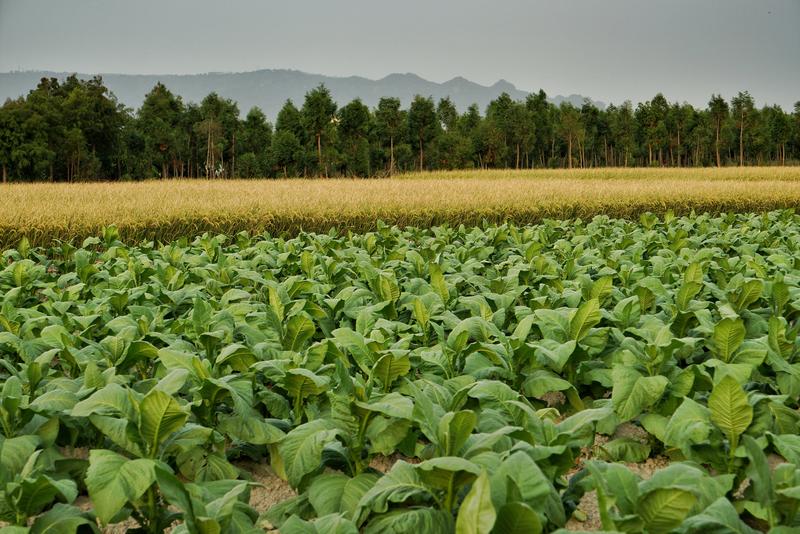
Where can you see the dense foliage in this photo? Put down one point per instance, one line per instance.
(487, 358)
(76, 130)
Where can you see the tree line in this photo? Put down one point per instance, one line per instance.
(76, 130)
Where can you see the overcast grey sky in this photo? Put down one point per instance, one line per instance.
(611, 50)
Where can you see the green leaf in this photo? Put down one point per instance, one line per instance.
(399, 484)
(477, 514)
(299, 330)
(63, 519)
(390, 367)
(689, 425)
(392, 404)
(625, 450)
(438, 282)
(729, 408)
(728, 336)
(586, 317)
(301, 449)
(160, 415)
(175, 492)
(34, 494)
(686, 293)
(633, 393)
(517, 518)
(720, 517)
(555, 354)
(110, 400)
(453, 430)
(664, 509)
(304, 383)
(357, 346)
(249, 429)
(540, 382)
(14, 453)
(114, 481)
(747, 294)
(759, 472)
(56, 400)
(354, 490)
(385, 434)
(411, 520)
(325, 493)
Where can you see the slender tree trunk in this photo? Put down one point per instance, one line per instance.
(163, 170)
(716, 144)
(517, 156)
(421, 155)
(319, 152)
(208, 153)
(233, 156)
(679, 147)
(569, 152)
(5, 174)
(741, 141)
(391, 155)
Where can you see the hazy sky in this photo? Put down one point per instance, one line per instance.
(610, 50)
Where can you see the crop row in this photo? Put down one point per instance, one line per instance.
(487, 359)
(168, 210)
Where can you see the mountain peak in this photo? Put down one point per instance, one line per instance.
(269, 89)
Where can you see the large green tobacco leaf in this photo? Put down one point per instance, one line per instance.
(749, 293)
(517, 518)
(584, 319)
(438, 282)
(555, 354)
(327, 524)
(400, 483)
(664, 509)
(728, 336)
(63, 519)
(633, 393)
(729, 409)
(250, 429)
(720, 517)
(477, 514)
(390, 367)
(32, 495)
(299, 330)
(332, 493)
(111, 400)
(453, 431)
(160, 415)
(690, 425)
(114, 481)
(428, 520)
(14, 453)
(301, 449)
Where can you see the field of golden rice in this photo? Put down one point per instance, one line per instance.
(164, 210)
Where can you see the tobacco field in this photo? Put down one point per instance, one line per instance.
(508, 373)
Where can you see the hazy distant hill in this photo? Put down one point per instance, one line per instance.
(269, 89)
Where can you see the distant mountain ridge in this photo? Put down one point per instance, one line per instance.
(270, 88)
